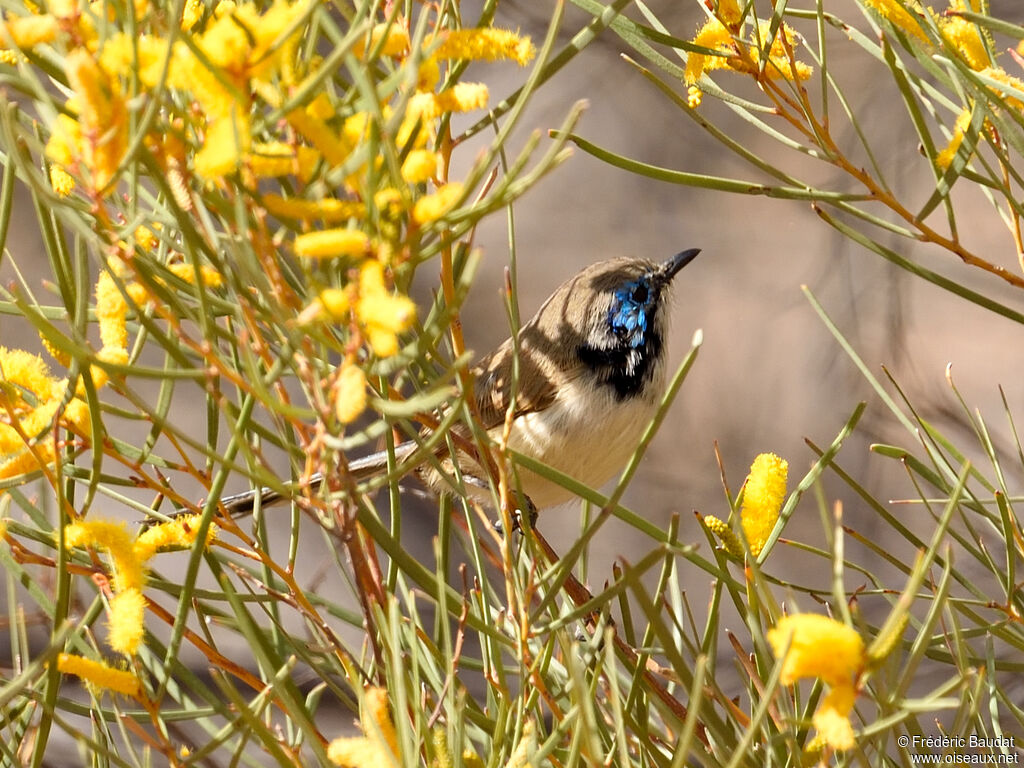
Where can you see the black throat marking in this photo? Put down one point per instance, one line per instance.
(624, 367)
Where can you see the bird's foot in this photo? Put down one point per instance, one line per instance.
(525, 506)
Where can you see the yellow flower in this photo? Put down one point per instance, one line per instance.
(225, 143)
(100, 675)
(965, 37)
(332, 243)
(112, 312)
(420, 165)
(22, 372)
(1001, 76)
(818, 647)
(191, 14)
(320, 135)
(963, 122)
(825, 648)
(26, 461)
(488, 44)
(335, 302)
(145, 55)
(177, 533)
(392, 38)
(281, 159)
(432, 207)
(126, 621)
(29, 31)
(321, 107)
(763, 495)
(462, 97)
(730, 542)
(382, 315)
(895, 12)
(350, 393)
(102, 118)
(729, 12)
(716, 36)
(129, 571)
(378, 746)
(324, 209)
(145, 239)
(832, 719)
(693, 97)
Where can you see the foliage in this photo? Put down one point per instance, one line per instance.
(234, 201)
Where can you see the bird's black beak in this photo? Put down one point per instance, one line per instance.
(668, 270)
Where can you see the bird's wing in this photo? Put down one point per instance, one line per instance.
(540, 377)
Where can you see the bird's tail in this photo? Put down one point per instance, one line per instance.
(364, 468)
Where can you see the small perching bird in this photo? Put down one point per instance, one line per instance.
(591, 375)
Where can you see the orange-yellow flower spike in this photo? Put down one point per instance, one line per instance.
(126, 621)
(100, 675)
(129, 571)
(763, 495)
(818, 646)
(488, 44)
(332, 244)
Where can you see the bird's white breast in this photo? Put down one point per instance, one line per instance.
(587, 433)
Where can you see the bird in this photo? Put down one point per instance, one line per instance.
(591, 374)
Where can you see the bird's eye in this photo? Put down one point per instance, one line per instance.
(639, 293)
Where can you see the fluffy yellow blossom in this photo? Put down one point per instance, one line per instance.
(462, 97)
(744, 57)
(246, 44)
(32, 420)
(27, 461)
(101, 137)
(100, 675)
(332, 243)
(145, 238)
(819, 646)
(126, 621)
(897, 15)
(129, 571)
(1001, 76)
(29, 31)
(730, 542)
(827, 649)
(420, 165)
(832, 719)
(225, 143)
(763, 495)
(432, 207)
(320, 135)
(716, 36)
(391, 37)
(112, 312)
(282, 159)
(379, 745)
(945, 157)
(321, 107)
(191, 13)
(335, 302)
(488, 44)
(382, 314)
(324, 209)
(729, 12)
(177, 533)
(967, 39)
(144, 55)
(350, 393)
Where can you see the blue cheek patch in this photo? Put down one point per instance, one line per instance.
(627, 317)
